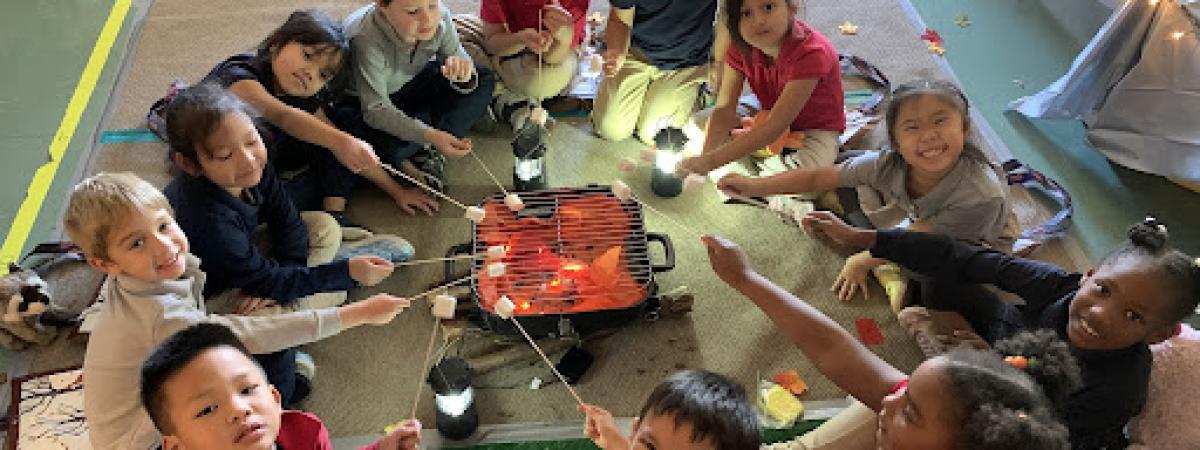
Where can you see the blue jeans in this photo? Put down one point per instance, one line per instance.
(430, 98)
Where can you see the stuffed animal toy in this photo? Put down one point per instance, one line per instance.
(23, 298)
(1168, 420)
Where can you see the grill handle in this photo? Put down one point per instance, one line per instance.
(460, 249)
(668, 252)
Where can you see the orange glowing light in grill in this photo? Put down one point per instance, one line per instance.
(555, 283)
(572, 267)
(526, 305)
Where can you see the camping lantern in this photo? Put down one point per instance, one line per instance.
(529, 148)
(670, 143)
(454, 398)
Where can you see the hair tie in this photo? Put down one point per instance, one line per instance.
(1022, 362)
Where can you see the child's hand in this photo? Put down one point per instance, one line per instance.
(600, 427)
(966, 338)
(370, 269)
(536, 41)
(825, 224)
(853, 277)
(356, 154)
(613, 60)
(457, 69)
(555, 17)
(698, 165)
(448, 144)
(738, 184)
(406, 436)
(728, 260)
(378, 309)
(414, 199)
(248, 305)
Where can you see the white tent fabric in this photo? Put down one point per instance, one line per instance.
(1137, 86)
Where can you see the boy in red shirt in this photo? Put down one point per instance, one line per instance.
(205, 393)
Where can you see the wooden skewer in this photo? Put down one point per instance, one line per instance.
(433, 260)
(669, 218)
(547, 359)
(441, 288)
(421, 377)
(394, 171)
(489, 173)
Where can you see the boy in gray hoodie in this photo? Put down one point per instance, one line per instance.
(418, 90)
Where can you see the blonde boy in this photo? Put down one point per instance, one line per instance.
(126, 229)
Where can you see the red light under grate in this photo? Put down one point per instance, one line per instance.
(568, 251)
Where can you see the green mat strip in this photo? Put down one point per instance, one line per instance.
(769, 437)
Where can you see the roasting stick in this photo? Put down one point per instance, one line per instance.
(495, 252)
(624, 193)
(424, 373)
(437, 323)
(505, 308)
(394, 171)
(490, 174)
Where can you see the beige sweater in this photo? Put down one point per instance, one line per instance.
(135, 316)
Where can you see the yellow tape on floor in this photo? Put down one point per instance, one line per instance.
(44, 177)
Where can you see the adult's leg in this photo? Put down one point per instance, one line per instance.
(671, 98)
(620, 99)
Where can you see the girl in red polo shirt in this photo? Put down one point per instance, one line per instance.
(795, 73)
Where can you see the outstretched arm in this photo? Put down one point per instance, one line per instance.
(837, 354)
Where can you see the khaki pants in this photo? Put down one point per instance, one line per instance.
(520, 74)
(644, 99)
(324, 239)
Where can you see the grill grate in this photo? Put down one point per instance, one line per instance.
(569, 251)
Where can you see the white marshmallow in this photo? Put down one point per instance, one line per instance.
(513, 202)
(694, 181)
(475, 214)
(443, 307)
(495, 252)
(649, 154)
(495, 269)
(539, 116)
(505, 307)
(622, 190)
(627, 165)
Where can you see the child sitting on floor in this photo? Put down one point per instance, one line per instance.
(967, 399)
(794, 72)
(532, 47)
(125, 228)
(692, 409)
(942, 182)
(417, 88)
(204, 392)
(228, 189)
(288, 80)
(1134, 297)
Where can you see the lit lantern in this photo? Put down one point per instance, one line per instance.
(670, 143)
(529, 148)
(454, 398)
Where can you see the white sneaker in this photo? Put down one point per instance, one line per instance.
(305, 366)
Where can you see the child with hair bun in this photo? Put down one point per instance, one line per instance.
(964, 399)
(1136, 296)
